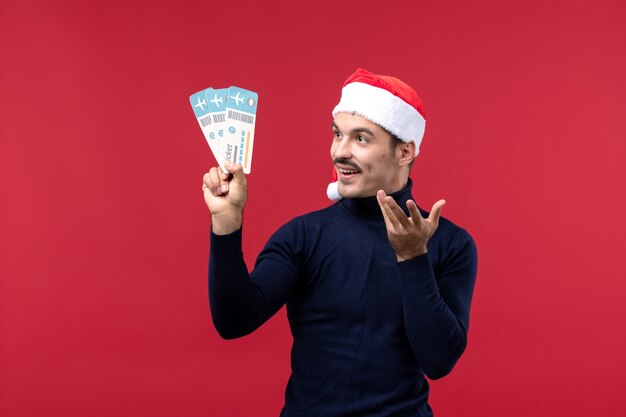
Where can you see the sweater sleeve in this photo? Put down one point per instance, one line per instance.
(436, 309)
(240, 301)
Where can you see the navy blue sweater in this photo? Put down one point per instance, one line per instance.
(366, 328)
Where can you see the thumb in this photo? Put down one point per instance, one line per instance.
(236, 171)
(435, 213)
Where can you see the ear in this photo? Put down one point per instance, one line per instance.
(406, 153)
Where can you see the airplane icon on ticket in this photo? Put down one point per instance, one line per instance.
(237, 98)
(200, 104)
(216, 101)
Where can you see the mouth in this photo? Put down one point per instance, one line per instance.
(345, 172)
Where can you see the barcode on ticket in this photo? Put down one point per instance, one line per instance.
(242, 117)
(205, 121)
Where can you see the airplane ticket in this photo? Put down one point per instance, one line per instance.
(240, 122)
(227, 117)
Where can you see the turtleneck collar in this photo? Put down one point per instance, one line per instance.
(368, 206)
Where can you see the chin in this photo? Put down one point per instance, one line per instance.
(353, 192)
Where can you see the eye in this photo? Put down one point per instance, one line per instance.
(361, 139)
(336, 133)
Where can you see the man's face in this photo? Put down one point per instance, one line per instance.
(364, 157)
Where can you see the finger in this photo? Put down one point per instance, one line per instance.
(397, 212)
(416, 216)
(214, 182)
(205, 181)
(435, 213)
(380, 196)
(236, 170)
(388, 212)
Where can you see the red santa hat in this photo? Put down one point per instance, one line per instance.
(386, 101)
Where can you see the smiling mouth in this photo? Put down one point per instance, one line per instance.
(346, 171)
(345, 168)
(347, 174)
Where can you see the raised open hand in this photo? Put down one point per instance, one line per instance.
(408, 236)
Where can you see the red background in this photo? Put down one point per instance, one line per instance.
(104, 232)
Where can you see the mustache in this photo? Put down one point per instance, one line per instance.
(346, 163)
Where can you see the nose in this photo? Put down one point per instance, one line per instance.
(342, 148)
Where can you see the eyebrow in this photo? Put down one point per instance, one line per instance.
(356, 130)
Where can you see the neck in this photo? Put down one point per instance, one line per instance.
(399, 186)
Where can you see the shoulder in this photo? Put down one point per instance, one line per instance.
(453, 232)
(305, 224)
(446, 226)
(452, 241)
(321, 214)
(315, 219)
(447, 230)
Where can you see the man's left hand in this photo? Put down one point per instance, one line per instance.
(408, 236)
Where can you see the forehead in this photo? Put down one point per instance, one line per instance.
(347, 122)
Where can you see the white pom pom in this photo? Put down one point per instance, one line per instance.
(332, 191)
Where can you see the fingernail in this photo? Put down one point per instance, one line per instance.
(224, 188)
(228, 164)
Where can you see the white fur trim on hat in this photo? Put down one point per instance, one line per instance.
(332, 191)
(385, 109)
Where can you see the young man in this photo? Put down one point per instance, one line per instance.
(378, 291)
